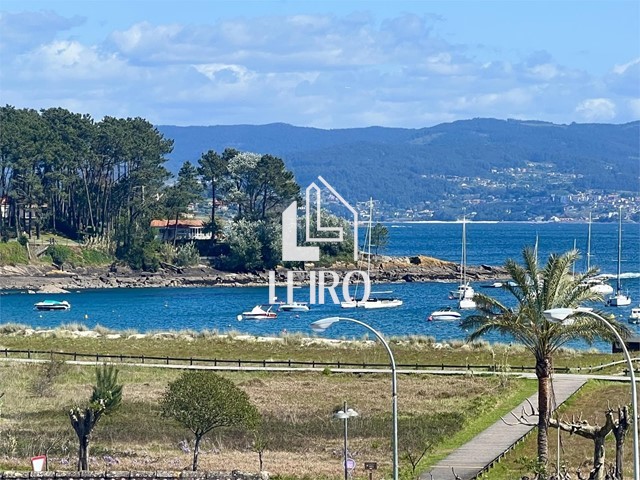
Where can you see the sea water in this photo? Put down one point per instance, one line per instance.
(217, 308)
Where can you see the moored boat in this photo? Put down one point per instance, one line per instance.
(444, 313)
(259, 312)
(52, 305)
(294, 307)
(619, 299)
(635, 315)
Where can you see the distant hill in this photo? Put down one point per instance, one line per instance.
(399, 166)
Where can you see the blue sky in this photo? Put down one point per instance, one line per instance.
(326, 64)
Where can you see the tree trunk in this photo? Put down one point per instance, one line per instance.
(619, 432)
(83, 453)
(598, 471)
(196, 451)
(543, 372)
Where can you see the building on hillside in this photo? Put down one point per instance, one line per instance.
(187, 229)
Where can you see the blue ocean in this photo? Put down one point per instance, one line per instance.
(217, 308)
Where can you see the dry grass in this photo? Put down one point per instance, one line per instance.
(296, 408)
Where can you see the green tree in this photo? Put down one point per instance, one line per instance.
(536, 290)
(379, 237)
(202, 401)
(185, 191)
(213, 169)
(105, 398)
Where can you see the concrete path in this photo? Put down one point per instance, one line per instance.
(472, 457)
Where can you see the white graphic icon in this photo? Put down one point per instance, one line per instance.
(291, 251)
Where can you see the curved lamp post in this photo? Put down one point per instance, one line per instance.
(561, 314)
(345, 414)
(324, 323)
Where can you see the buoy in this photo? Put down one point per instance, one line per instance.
(86, 316)
(239, 317)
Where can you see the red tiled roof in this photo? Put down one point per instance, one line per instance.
(186, 222)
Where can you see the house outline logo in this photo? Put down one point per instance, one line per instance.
(291, 251)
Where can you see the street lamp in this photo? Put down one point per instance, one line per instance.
(561, 314)
(345, 414)
(324, 323)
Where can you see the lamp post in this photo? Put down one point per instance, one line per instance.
(345, 414)
(561, 314)
(324, 323)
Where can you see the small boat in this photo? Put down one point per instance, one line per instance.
(635, 316)
(381, 303)
(259, 312)
(445, 313)
(294, 307)
(463, 291)
(372, 303)
(52, 305)
(466, 304)
(619, 299)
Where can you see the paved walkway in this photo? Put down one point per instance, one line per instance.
(473, 456)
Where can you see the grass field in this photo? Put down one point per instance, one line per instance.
(296, 410)
(304, 441)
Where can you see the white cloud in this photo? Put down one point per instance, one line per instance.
(596, 109)
(315, 70)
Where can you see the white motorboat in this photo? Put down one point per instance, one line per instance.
(52, 305)
(619, 299)
(464, 290)
(635, 315)
(294, 307)
(445, 313)
(259, 312)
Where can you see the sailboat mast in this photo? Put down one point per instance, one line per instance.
(370, 231)
(619, 287)
(589, 244)
(464, 250)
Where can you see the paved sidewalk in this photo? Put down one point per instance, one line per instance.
(473, 456)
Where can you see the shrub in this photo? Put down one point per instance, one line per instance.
(187, 255)
(59, 254)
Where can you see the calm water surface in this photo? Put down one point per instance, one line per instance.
(216, 308)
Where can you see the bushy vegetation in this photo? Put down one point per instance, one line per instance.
(13, 253)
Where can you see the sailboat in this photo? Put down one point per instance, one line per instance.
(371, 302)
(595, 284)
(620, 299)
(464, 290)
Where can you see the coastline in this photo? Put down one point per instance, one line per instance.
(384, 270)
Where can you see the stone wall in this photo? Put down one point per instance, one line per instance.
(114, 475)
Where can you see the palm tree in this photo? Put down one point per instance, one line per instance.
(536, 290)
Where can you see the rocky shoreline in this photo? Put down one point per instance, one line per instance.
(383, 270)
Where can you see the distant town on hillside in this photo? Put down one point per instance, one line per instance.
(487, 169)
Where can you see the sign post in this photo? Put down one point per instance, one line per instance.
(370, 467)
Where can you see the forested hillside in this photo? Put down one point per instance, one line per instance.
(403, 167)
